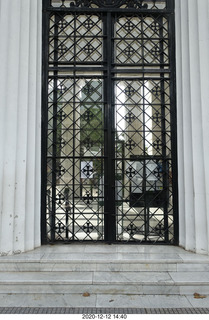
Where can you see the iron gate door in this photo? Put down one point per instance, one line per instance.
(109, 122)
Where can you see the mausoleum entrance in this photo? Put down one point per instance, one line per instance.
(109, 167)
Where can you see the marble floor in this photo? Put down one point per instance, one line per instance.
(104, 253)
(102, 301)
(102, 248)
(165, 264)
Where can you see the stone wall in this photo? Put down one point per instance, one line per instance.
(192, 52)
(20, 124)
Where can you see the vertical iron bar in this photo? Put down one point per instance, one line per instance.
(103, 169)
(74, 109)
(163, 134)
(112, 217)
(54, 152)
(144, 182)
(173, 114)
(146, 214)
(170, 5)
(109, 219)
(44, 119)
(105, 128)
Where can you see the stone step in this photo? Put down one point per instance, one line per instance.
(105, 262)
(104, 258)
(102, 267)
(134, 283)
(105, 270)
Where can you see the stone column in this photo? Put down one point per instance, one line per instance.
(192, 52)
(20, 125)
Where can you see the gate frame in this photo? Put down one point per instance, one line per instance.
(45, 28)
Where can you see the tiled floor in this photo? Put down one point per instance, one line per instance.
(104, 313)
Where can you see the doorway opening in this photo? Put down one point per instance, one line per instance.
(109, 168)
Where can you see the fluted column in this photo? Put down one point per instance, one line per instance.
(192, 51)
(20, 125)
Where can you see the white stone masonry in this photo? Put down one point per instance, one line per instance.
(192, 52)
(20, 124)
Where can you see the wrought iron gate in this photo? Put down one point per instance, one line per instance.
(109, 121)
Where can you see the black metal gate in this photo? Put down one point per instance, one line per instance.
(109, 121)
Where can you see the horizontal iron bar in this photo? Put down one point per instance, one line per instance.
(143, 103)
(78, 64)
(131, 241)
(118, 131)
(74, 36)
(145, 65)
(141, 158)
(77, 157)
(95, 11)
(140, 131)
(75, 76)
(141, 78)
(160, 39)
(160, 157)
(65, 37)
(93, 69)
(137, 77)
(89, 69)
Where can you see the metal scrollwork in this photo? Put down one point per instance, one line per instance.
(136, 4)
